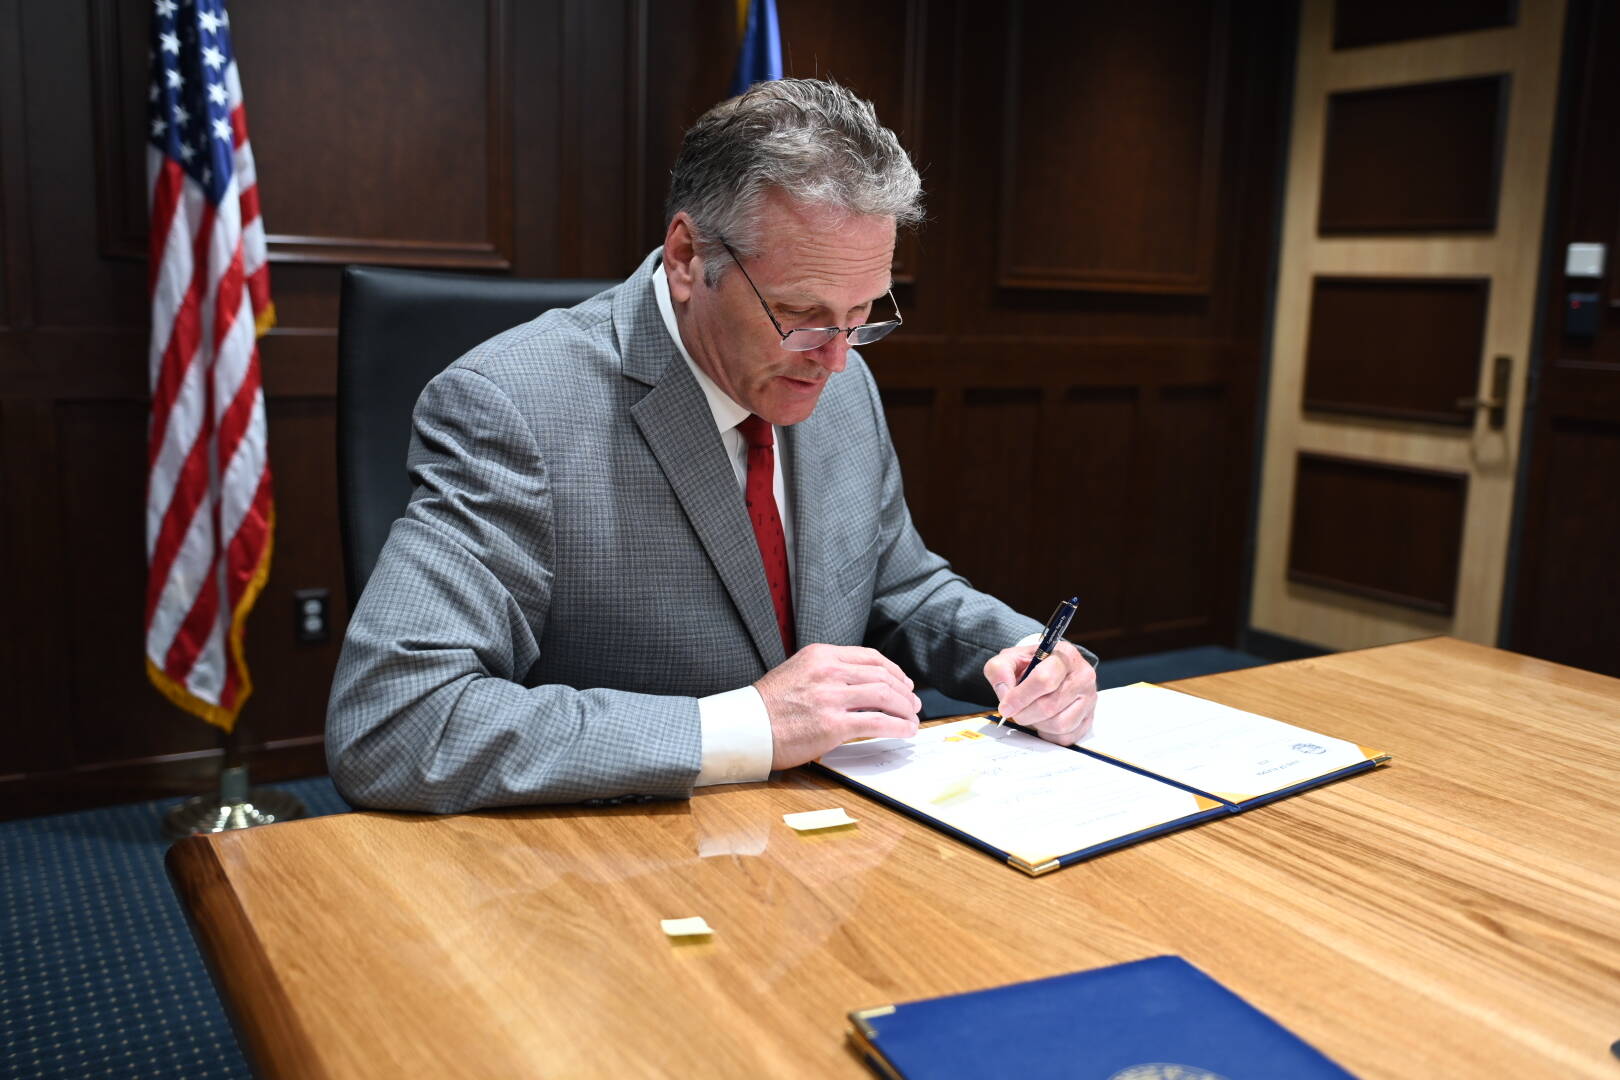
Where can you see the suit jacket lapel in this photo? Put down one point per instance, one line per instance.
(675, 420)
(812, 584)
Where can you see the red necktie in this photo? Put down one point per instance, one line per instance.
(761, 498)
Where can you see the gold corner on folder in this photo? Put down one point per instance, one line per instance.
(862, 1018)
(874, 1057)
(862, 1035)
(1032, 869)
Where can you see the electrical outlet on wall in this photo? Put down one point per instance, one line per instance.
(311, 619)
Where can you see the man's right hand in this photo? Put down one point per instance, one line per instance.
(825, 695)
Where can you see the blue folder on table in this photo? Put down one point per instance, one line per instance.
(1146, 1020)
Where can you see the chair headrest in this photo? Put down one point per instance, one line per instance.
(396, 330)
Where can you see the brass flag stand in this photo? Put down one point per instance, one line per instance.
(235, 805)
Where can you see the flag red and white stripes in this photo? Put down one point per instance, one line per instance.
(209, 506)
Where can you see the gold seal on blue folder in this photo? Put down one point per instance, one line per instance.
(1163, 1070)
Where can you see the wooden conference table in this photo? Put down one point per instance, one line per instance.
(1453, 914)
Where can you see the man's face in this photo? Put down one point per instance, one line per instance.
(815, 268)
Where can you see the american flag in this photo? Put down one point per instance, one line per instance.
(209, 508)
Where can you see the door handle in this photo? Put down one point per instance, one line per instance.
(1496, 401)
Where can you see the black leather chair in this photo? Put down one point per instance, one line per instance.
(396, 330)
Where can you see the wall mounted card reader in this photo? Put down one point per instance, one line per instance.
(1581, 316)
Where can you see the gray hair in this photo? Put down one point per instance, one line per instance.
(811, 139)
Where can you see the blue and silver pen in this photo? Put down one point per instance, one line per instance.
(1056, 627)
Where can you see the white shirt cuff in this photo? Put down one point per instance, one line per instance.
(736, 733)
(1029, 639)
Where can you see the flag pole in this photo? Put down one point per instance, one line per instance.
(236, 804)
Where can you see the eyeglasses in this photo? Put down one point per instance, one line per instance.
(814, 337)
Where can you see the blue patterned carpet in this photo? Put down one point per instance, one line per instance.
(99, 976)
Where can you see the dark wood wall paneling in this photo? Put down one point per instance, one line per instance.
(888, 59)
(1422, 157)
(1389, 532)
(1112, 148)
(1566, 601)
(1403, 348)
(415, 171)
(1072, 399)
(1378, 22)
(1083, 374)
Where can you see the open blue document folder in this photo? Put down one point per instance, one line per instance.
(1156, 760)
(1152, 1019)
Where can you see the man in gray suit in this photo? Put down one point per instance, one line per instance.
(658, 540)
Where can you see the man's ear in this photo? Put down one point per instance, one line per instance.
(682, 263)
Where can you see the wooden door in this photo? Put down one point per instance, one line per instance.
(1411, 237)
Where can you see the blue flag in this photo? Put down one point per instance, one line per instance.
(760, 57)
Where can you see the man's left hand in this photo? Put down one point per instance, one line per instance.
(1056, 701)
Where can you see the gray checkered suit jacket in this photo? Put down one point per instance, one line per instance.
(576, 568)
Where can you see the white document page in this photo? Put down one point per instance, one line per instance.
(1028, 797)
(1227, 752)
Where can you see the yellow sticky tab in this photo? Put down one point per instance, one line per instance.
(690, 927)
(810, 820)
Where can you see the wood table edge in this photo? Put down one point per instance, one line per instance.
(257, 1004)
